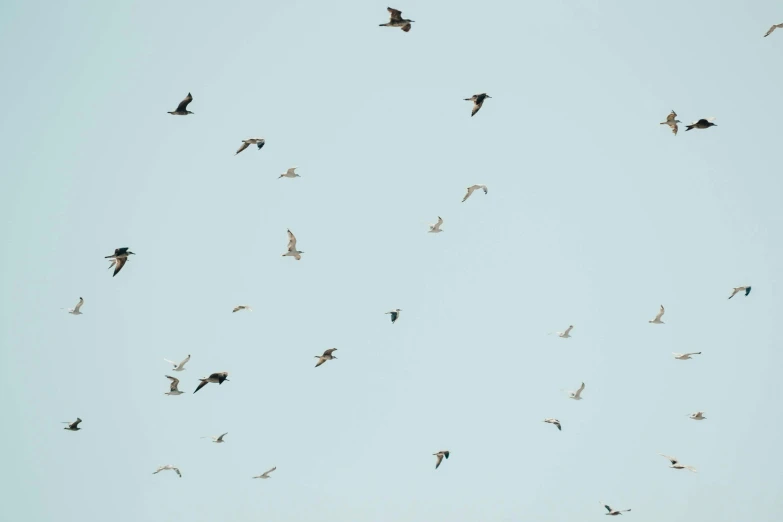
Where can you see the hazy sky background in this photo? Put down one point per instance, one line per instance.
(595, 216)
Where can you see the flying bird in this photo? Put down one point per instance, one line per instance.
(577, 395)
(218, 440)
(672, 121)
(76, 309)
(473, 189)
(676, 463)
(699, 415)
(684, 356)
(396, 20)
(478, 101)
(614, 512)
(439, 455)
(779, 26)
(327, 356)
(72, 426)
(217, 377)
(657, 319)
(436, 227)
(739, 289)
(292, 251)
(173, 390)
(178, 367)
(265, 474)
(555, 422)
(259, 142)
(167, 467)
(242, 307)
(394, 314)
(119, 258)
(564, 334)
(290, 173)
(704, 123)
(182, 108)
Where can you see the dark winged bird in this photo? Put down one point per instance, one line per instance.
(478, 101)
(440, 456)
(258, 142)
(73, 426)
(217, 377)
(394, 314)
(778, 26)
(614, 512)
(704, 123)
(555, 422)
(327, 356)
(182, 108)
(397, 20)
(739, 289)
(119, 258)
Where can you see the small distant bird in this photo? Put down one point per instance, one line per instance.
(265, 474)
(242, 307)
(439, 455)
(259, 142)
(178, 367)
(478, 101)
(739, 289)
(73, 426)
(327, 356)
(394, 314)
(614, 512)
(290, 173)
(577, 395)
(672, 121)
(434, 229)
(217, 377)
(292, 251)
(684, 356)
(397, 20)
(218, 440)
(566, 333)
(555, 422)
(676, 463)
(119, 258)
(779, 26)
(167, 467)
(75, 309)
(704, 123)
(657, 319)
(173, 390)
(182, 108)
(699, 415)
(473, 189)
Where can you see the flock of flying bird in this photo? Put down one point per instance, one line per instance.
(121, 256)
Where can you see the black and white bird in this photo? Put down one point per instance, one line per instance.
(173, 390)
(119, 258)
(439, 456)
(218, 440)
(167, 467)
(555, 422)
(739, 289)
(327, 356)
(72, 426)
(290, 173)
(396, 20)
(704, 123)
(217, 377)
(699, 415)
(478, 101)
(76, 309)
(614, 512)
(778, 26)
(672, 121)
(577, 395)
(259, 142)
(242, 307)
(292, 251)
(675, 463)
(657, 319)
(434, 229)
(178, 367)
(265, 474)
(684, 356)
(394, 314)
(565, 334)
(182, 108)
(472, 189)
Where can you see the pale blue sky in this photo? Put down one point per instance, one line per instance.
(595, 216)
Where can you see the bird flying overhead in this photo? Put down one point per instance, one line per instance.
(290, 173)
(75, 309)
(555, 422)
(327, 356)
(739, 289)
(704, 123)
(173, 390)
(436, 227)
(168, 467)
(676, 463)
(217, 377)
(292, 251)
(778, 26)
(178, 367)
(439, 456)
(614, 512)
(672, 121)
(218, 440)
(394, 314)
(699, 415)
(577, 395)
(265, 474)
(182, 108)
(684, 356)
(259, 142)
(478, 101)
(565, 334)
(119, 258)
(657, 319)
(242, 307)
(396, 20)
(73, 426)
(473, 189)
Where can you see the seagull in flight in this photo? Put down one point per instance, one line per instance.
(478, 101)
(72, 426)
(292, 251)
(167, 467)
(672, 121)
(434, 229)
(657, 319)
(178, 367)
(259, 142)
(396, 20)
(676, 463)
(327, 356)
(684, 356)
(218, 440)
(290, 173)
(182, 108)
(75, 309)
(778, 26)
(555, 422)
(242, 307)
(439, 455)
(217, 377)
(395, 314)
(739, 289)
(613, 512)
(173, 390)
(704, 123)
(577, 395)
(473, 189)
(119, 258)
(265, 474)
(699, 415)
(564, 334)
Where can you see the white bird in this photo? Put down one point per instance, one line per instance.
(684, 356)
(473, 189)
(218, 440)
(242, 307)
(436, 227)
(778, 26)
(613, 512)
(672, 121)
(259, 142)
(72, 426)
(395, 314)
(657, 319)
(292, 251)
(739, 289)
(265, 474)
(178, 367)
(565, 334)
(75, 309)
(439, 455)
(290, 173)
(577, 395)
(699, 415)
(173, 387)
(676, 463)
(327, 356)
(166, 468)
(555, 422)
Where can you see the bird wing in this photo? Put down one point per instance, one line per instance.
(174, 382)
(747, 291)
(330, 351)
(671, 116)
(469, 192)
(237, 308)
(484, 188)
(568, 330)
(184, 103)
(734, 292)
(440, 459)
(221, 437)
(291, 171)
(75, 423)
(609, 509)
(321, 360)
(440, 222)
(120, 261)
(581, 388)
(674, 128)
(660, 314)
(671, 459)
(78, 305)
(476, 107)
(260, 143)
(171, 362)
(396, 16)
(291, 241)
(772, 29)
(693, 353)
(245, 144)
(177, 470)
(203, 383)
(269, 471)
(184, 361)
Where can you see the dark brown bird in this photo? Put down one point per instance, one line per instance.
(182, 108)
(218, 377)
(327, 356)
(119, 258)
(440, 456)
(478, 101)
(704, 123)
(397, 20)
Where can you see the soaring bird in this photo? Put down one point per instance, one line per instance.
(119, 258)
(327, 356)
(242, 307)
(434, 229)
(473, 189)
(290, 173)
(75, 309)
(178, 367)
(555, 422)
(778, 26)
(684, 356)
(439, 455)
(217, 377)
(167, 467)
(396, 20)
(565, 334)
(676, 463)
(657, 319)
(292, 251)
(699, 415)
(265, 474)
(739, 289)
(577, 395)
(259, 142)
(672, 121)
(394, 314)
(218, 440)
(613, 512)
(182, 108)
(173, 390)
(704, 123)
(72, 426)
(478, 101)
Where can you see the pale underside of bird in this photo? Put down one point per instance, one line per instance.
(778, 26)
(217, 377)
(242, 307)
(565, 334)
(657, 319)
(292, 251)
(613, 512)
(699, 415)
(555, 422)
(704, 123)
(439, 457)
(119, 258)
(672, 121)
(180, 366)
(739, 289)
(478, 101)
(182, 108)
(173, 390)
(675, 463)
(168, 467)
(76, 309)
(472, 189)
(259, 142)
(218, 439)
(434, 229)
(396, 20)
(327, 356)
(265, 474)
(577, 395)
(290, 173)
(395, 314)
(684, 356)
(72, 426)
